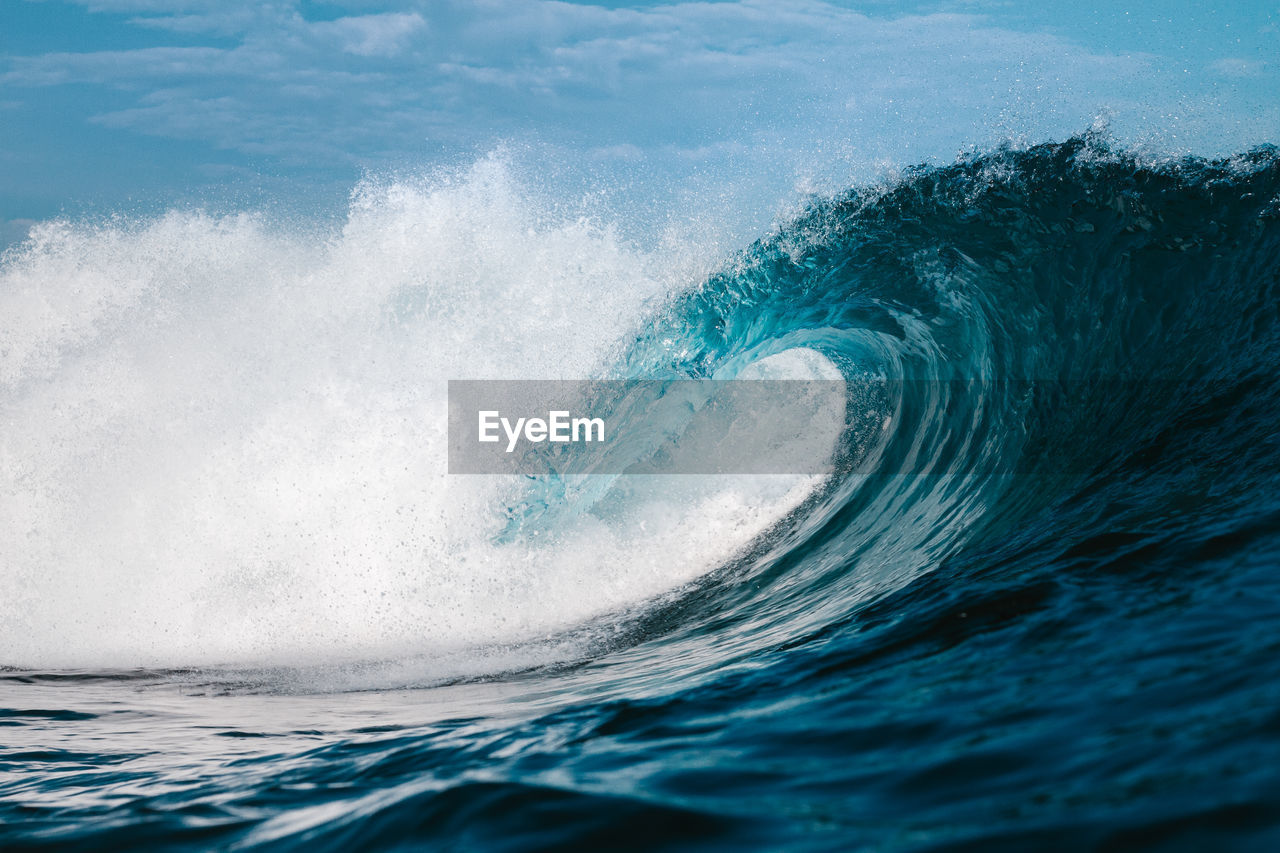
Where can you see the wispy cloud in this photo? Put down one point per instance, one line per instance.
(456, 73)
(372, 35)
(390, 82)
(112, 67)
(1236, 67)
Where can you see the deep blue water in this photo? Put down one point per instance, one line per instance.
(1042, 612)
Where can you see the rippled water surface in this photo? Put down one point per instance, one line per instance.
(1037, 608)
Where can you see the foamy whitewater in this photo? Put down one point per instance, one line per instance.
(226, 444)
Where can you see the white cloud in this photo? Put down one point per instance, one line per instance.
(372, 35)
(690, 77)
(1234, 67)
(114, 66)
(223, 22)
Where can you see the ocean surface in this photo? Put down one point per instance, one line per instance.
(1037, 607)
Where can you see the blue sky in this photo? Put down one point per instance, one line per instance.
(124, 105)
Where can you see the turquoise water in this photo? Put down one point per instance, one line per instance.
(1037, 610)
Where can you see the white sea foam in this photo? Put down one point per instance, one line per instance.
(223, 437)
